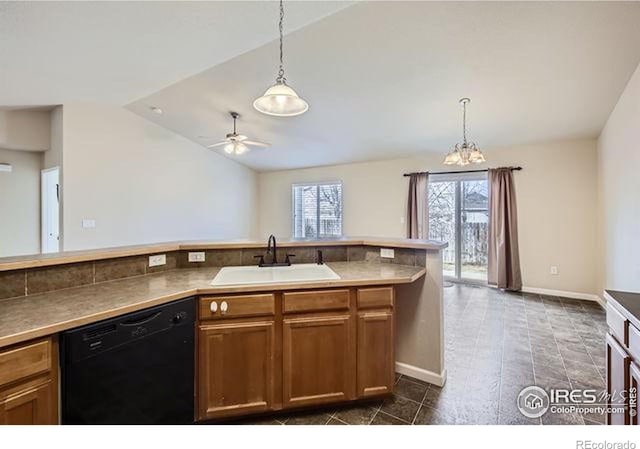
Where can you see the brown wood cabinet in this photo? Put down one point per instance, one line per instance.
(236, 368)
(317, 354)
(29, 383)
(376, 360)
(32, 405)
(308, 347)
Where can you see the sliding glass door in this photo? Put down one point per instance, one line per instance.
(458, 215)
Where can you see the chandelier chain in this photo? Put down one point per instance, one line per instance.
(464, 123)
(281, 79)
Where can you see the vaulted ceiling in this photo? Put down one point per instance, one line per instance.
(382, 79)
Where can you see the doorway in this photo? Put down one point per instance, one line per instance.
(50, 210)
(459, 215)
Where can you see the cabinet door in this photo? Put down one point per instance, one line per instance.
(634, 408)
(617, 380)
(375, 353)
(318, 360)
(34, 405)
(236, 364)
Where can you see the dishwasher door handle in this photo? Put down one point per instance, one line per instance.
(142, 320)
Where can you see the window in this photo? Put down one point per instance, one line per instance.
(317, 210)
(458, 214)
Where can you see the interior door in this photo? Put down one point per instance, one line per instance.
(50, 210)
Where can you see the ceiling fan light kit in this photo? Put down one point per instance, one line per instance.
(464, 153)
(235, 143)
(280, 100)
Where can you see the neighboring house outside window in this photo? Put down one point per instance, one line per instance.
(317, 210)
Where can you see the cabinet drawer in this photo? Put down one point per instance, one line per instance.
(24, 361)
(618, 324)
(369, 298)
(314, 301)
(212, 307)
(634, 343)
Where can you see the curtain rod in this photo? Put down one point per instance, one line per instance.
(454, 172)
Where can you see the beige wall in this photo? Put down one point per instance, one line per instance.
(24, 129)
(20, 203)
(143, 183)
(556, 205)
(619, 184)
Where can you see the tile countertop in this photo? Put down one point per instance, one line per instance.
(628, 301)
(43, 260)
(33, 316)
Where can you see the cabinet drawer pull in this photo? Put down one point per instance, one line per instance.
(224, 307)
(213, 306)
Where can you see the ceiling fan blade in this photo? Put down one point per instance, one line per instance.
(218, 144)
(256, 143)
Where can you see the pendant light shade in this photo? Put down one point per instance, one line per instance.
(464, 153)
(280, 99)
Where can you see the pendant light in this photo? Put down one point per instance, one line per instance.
(280, 99)
(467, 152)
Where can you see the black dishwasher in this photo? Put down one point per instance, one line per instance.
(133, 369)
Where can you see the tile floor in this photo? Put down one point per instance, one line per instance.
(496, 344)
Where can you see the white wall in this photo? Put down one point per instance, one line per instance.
(143, 183)
(556, 205)
(20, 203)
(619, 183)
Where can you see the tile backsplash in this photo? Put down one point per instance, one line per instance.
(31, 281)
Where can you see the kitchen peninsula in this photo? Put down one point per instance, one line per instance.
(380, 315)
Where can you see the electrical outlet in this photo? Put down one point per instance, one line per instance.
(158, 259)
(196, 257)
(387, 253)
(553, 270)
(88, 223)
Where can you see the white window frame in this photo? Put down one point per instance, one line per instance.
(293, 206)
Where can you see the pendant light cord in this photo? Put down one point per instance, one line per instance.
(281, 79)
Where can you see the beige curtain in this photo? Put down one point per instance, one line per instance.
(504, 258)
(418, 207)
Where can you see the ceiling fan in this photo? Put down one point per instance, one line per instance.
(235, 143)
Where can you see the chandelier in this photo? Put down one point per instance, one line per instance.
(467, 152)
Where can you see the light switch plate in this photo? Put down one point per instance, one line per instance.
(387, 253)
(196, 257)
(553, 270)
(158, 259)
(88, 223)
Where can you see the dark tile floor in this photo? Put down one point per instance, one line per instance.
(496, 343)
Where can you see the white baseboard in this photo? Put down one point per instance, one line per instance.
(422, 374)
(565, 294)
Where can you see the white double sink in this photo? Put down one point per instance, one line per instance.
(304, 272)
